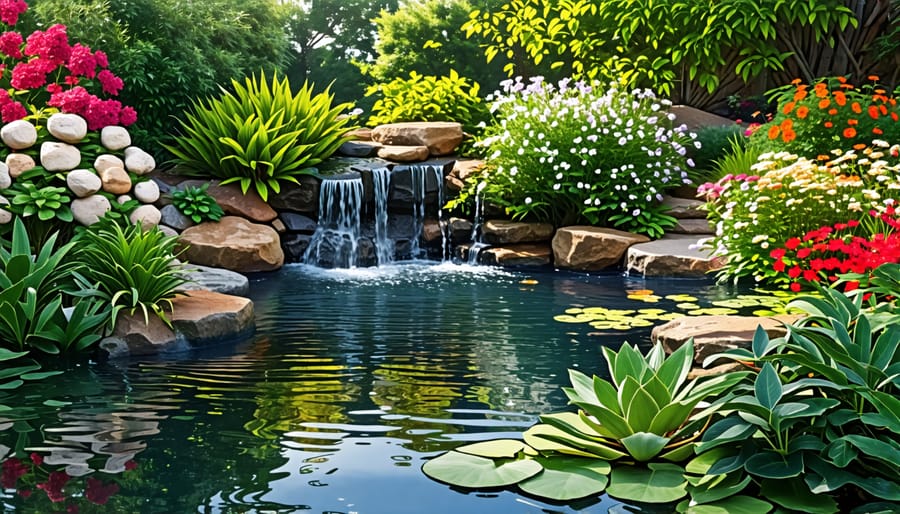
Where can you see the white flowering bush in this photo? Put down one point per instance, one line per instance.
(787, 196)
(575, 153)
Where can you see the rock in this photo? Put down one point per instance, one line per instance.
(361, 134)
(59, 156)
(298, 222)
(404, 153)
(467, 168)
(298, 198)
(5, 215)
(146, 192)
(105, 161)
(278, 225)
(19, 163)
(715, 371)
(203, 316)
(591, 248)
(696, 119)
(440, 137)
(138, 161)
(234, 201)
(147, 215)
(526, 254)
(431, 231)
(294, 246)
(19, 135)
(90, 209)
(134, 335)
(123, 199)
(693, 226)
(115, 138)
(167, 231)
(671, 256)
(460, 230)
(716, 334)
(359, 149)
(171, 216)
(68, 128)
(5, 177)
(684, 208)
(502, 232)
(83, 182)
(233, 243)
(115, 181)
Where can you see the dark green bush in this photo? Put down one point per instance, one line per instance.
(197, 204)
(715, 144)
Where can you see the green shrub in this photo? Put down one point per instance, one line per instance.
(128, 267)
(197, 204)
(738, 159)
(578, 153)
(428, 98)
(716, 143)
(262, 135)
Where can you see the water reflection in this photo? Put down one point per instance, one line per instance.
(353, 379)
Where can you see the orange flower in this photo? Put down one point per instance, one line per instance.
(828, 124)
(824, 103)
(873, 78)
(796, 81)
(873, 112)
(773, 131)
(894, 116)
(852, 121)
(800, 94)
(892, 101)
(786, 124)
(788, 107)
(842, 80)
(821, 90)
(822, 157)
(856, 107)
(832, 111)
(840, 98)
(849, 132)
(859, 146)
(883, 109)
(802, 111)
(788, 135)
(877, 131)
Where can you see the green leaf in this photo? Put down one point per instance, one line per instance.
(657, 483)
(643, 446)
(769, 464)
(568, 478)
(732, 505)
(473, 472)
(768, 387)
(495, 449)
(794, 494)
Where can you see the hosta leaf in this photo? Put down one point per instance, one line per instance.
(474, 472)
(657, 483)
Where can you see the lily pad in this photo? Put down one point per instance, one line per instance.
(712, 311)
(657, 483)
(565, 318)
(687, 306)
(574, 310)
(732, 505)
(496, 449)
(681, 298)
(568, 478)
(474, 472)
(650, 298)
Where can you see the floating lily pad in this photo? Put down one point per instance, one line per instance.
(474, 472)
(496, 449)
(732, 505)
(712, 311)
(657, 483)
(528, 281)
(568, 478)
(681, 298)
(652, 311)
(640, 292)
(670, 316)
(574, 310)
(687, 306)
(565, 318)
(645, 298)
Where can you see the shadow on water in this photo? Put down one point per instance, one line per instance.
(353, 379)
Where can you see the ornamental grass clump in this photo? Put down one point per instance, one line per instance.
(261, 135)
(832, 114)
(789, 195)
(576, 153)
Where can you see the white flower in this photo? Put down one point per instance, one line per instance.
(527, 200)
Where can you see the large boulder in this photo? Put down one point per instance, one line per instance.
(83, 182)
(716, 334)
(441, 137)
(693, 226)
(135, 335)
(671, 256)
(18, 163)
(90, 209)
(234, 201)
(503, 232)
(303, 197)
(233, 243)
(115, 138)
(217, 280)
(586, 248)
(684, 208)
(202, 316)
(69, 128)
(404, 153)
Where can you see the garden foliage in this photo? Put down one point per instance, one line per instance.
(197, 204)
(581, 153)
(261, 135)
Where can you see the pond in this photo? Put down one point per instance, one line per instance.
(352, 380)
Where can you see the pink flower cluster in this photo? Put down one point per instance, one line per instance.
(46, 63)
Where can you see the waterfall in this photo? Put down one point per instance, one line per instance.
(336, 240)
(419, 175)
(384, 245)
(477, 244)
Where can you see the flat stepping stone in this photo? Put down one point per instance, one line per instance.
(684, 208)
(586, 248)
(526, 254)
(218, 280)
(700, 227)
(671, 256)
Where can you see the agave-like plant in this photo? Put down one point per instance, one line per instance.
(260, 135)
(647, 410)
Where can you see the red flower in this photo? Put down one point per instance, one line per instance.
(810, 275)
(127, 116)
(795, 272)
(31, 74)
(803, 253)
(11, 44)
(777, 253)
(97, 492)
(11, 9)
(51, 44)
(12, 469)
(131, 465)
(792, 243)
(12, 111)
(853, 223)
(82, 61)
(54, 484)
(37, 459)
(795, 287)
(778, 265)
(111, 84)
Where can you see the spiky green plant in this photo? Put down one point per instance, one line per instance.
(261, 135)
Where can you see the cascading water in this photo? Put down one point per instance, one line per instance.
(477, 244)
(419, 179)
(336, 240)
(384, 245)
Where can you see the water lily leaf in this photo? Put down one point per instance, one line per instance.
(712, 311)
(687, 306)
(574, 310)
(496, 449)
(651, 312)
(643, 446)
(56, 403)
(732, 505)
(474, 472)
(794, 494)
(657, 483)
(567, 478)
(645, 298)
(763, 313)
(681, 298)
(565, 318)
(640, 292)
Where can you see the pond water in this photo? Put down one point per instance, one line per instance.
(352, 380)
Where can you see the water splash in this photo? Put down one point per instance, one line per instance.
(477, 244)
(419, 175)
(384, 245)
(336, 240)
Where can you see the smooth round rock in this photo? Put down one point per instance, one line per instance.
(59, 156)
(88, 211)
(5, 177)
(121, 199)
(115, 138)
(69, 128)
(19, 163)
(138, 161)
(146, 192)
(106, 161)
(83, 182)
(5, 215)
(147, 215)
(115, 181)
(18, 135)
